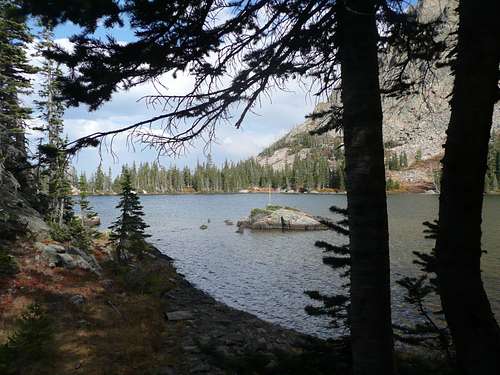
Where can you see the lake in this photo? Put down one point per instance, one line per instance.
(266, 273)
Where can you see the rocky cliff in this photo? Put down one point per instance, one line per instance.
(414, 125)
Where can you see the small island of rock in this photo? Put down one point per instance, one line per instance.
(283, 218)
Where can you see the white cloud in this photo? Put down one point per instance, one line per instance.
(244, 144)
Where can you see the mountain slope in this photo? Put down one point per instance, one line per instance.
(414, 126)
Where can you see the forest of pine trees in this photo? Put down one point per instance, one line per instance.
(317, 171)
(311, 173)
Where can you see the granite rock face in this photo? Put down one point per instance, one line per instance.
(282, 218)
(56, 255)
(414, 124)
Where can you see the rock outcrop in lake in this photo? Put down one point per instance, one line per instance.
(282, 218)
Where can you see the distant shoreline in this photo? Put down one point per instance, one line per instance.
(262, 192)
(390, 192)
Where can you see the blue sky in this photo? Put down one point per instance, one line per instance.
(272, 120)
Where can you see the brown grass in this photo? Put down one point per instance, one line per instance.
(117, 331)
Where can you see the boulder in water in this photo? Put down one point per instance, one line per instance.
(284, 218)
(93, 221)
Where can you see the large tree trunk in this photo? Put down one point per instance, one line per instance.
(371, 329)
(475, 332)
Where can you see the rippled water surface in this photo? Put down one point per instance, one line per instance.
(266, 273)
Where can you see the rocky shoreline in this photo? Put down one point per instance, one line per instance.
(196, 333)
(213, 330)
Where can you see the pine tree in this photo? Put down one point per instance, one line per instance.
(418, 155)
(128, 229)
(86, 210)
(109, 180)
(493, 167)
(15, 172)
(99, 179)
(52, 157)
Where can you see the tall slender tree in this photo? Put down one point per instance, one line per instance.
(476, 334)
(86, 210)
(14, 81)
(51, 109)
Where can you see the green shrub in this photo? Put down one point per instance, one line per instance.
(144, 282)
(259, 211)
(81, 237)
(138, 247)
(59, 233)
(392, 184)
(137, 279)
(319, 359)
(418, 155)
(75, 233)
(29, 350)
(271, 207)
(391, 144)
(421, 364)
(8, 266)
(11, 226)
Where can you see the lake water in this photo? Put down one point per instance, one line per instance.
(266, 273)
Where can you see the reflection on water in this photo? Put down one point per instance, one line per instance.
(266, 273)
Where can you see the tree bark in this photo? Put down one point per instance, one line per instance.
(475, 332)
(371, 329)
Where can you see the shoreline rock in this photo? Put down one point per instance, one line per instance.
(57, 255)
(281, 218)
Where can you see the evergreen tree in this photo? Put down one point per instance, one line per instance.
(310, 172)
(74, 176)
(99, 179)
(86, 211)
(493, 164)
(15, 174)
(128, 229)
(403, 160)
(418, 155)
(53, 159)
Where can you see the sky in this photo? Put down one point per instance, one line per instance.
(272, 119)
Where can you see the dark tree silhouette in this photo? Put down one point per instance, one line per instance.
(475, 332)
(335, 306)
(430, 331)
(371, 328)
